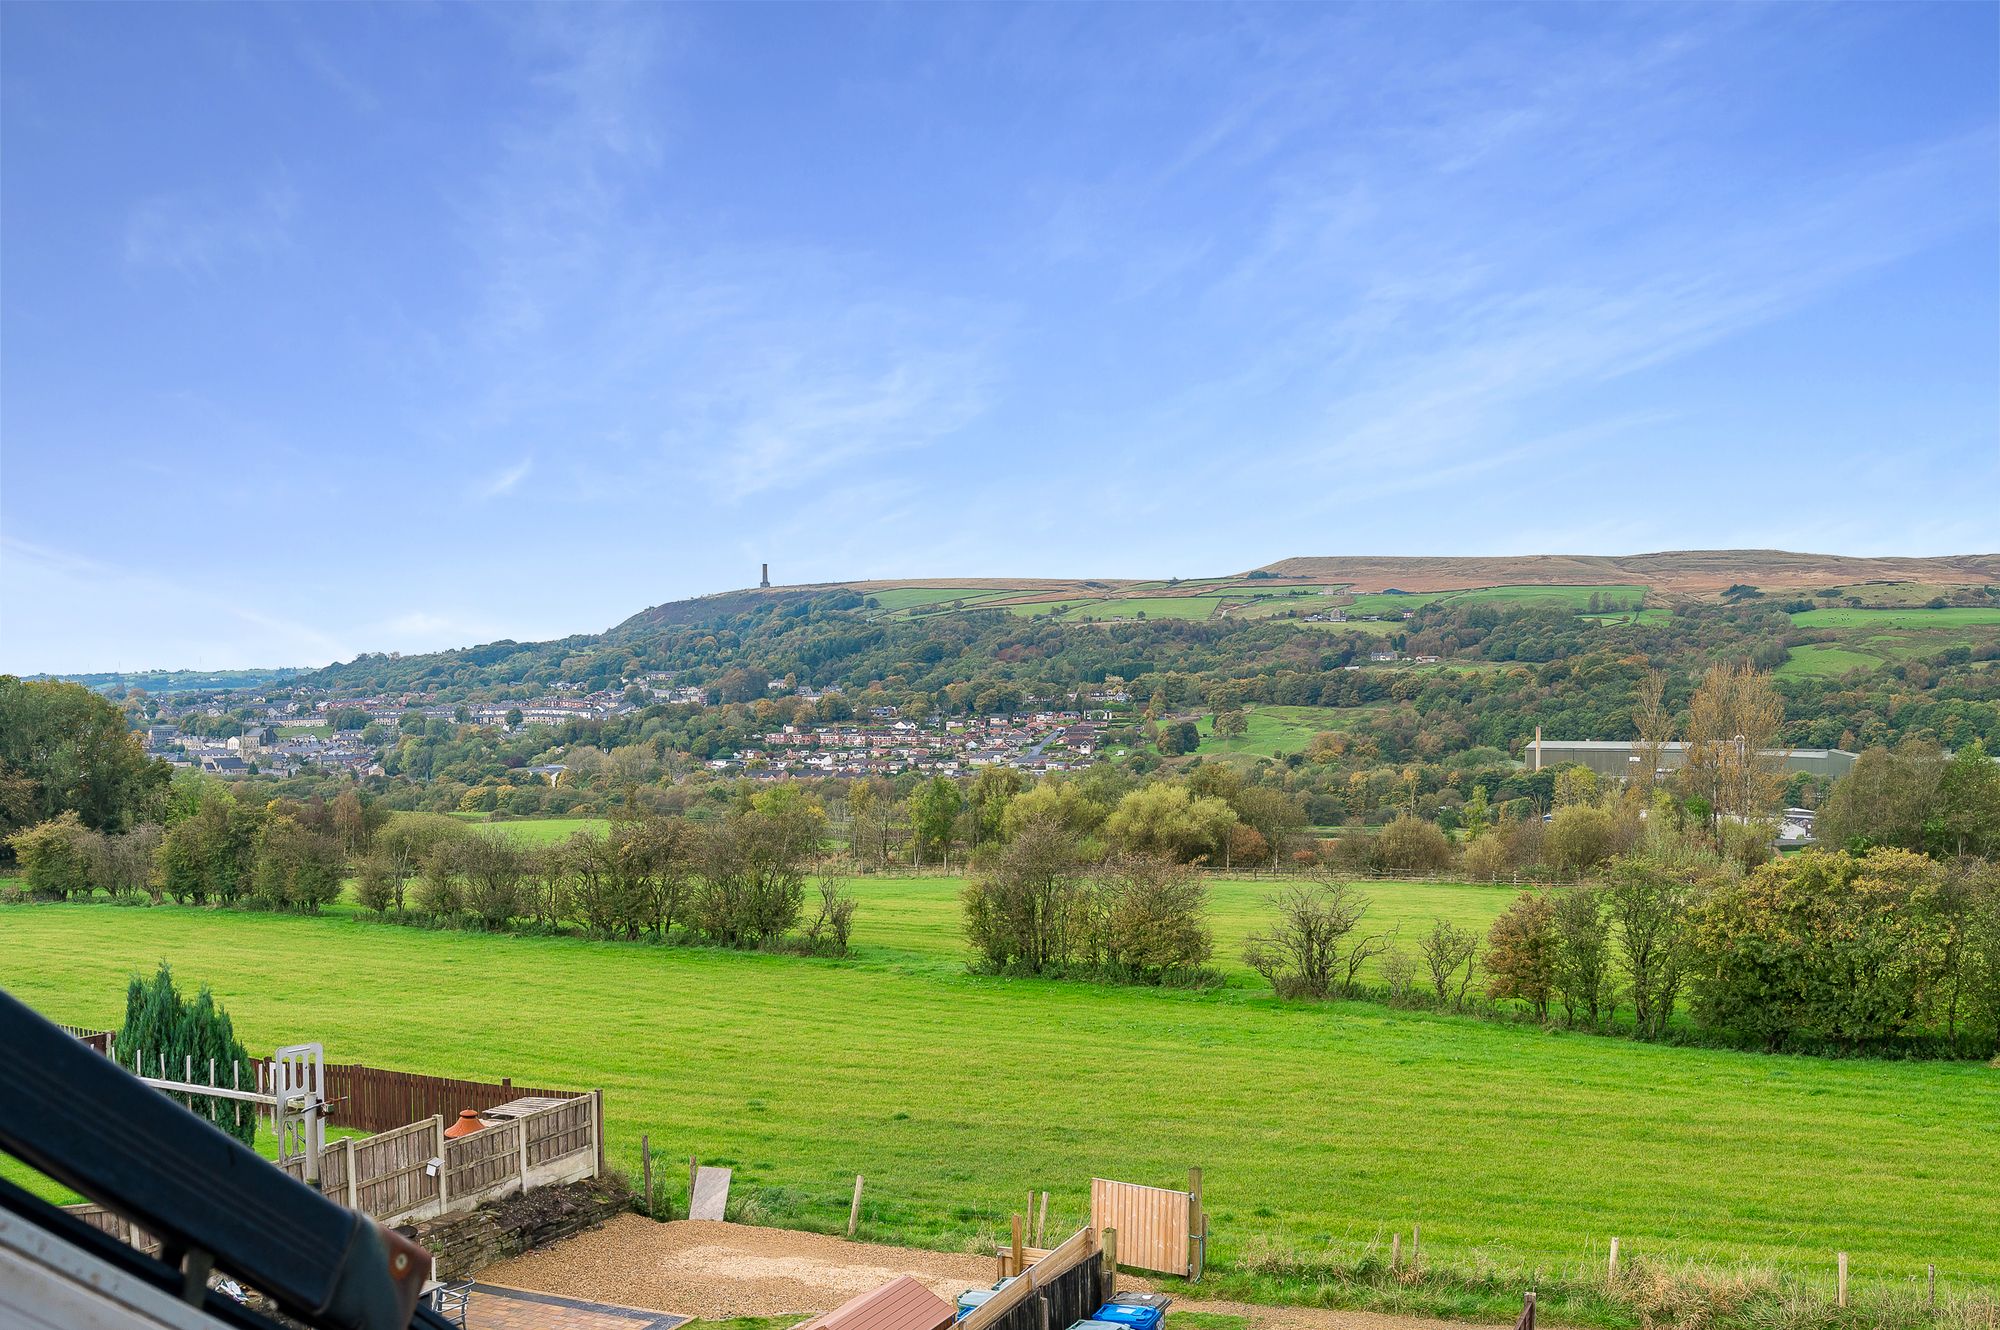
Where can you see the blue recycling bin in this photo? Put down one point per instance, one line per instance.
(1129, 1315)
(1139, 1298)
(976, 1297)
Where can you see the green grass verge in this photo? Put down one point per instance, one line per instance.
(1320, 1128)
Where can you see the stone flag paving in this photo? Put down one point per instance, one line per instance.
(496, 1307)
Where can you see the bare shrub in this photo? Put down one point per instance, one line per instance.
(1304, 954)
(833, 923)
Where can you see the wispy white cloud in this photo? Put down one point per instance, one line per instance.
(79, 613)
(504, 480)
(674, 357)
(202, 231)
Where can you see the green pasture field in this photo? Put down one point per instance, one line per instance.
(912, 921)
(1656, 614)
(536, 830)
(1154, 607)
(1273, 731)
(1310, 602)
(1576, 597)
(1817, 660)
(910, 597)
(1379, 602)
(1848, 617)
(1317, 1126)
(1028, 609)
(1909, 595)
(1381, 628)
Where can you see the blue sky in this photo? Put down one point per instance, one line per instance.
(331, 328)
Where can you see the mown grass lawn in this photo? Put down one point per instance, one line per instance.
(955, 1094)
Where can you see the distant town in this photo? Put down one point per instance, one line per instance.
(333, 734)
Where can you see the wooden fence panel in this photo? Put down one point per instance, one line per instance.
(377, 1099)
(391, 1172)
(557, 1132)
(483, 1162)
(97, 1039)
(393, 1180)
(118, 1226)
(1152, 1224)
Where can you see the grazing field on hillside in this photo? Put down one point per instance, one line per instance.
(1653, 615)
(1275, 730)
(1906, 594)
(954, 1095)
(903, 598)
(1849, 617)
(1820, 660)
(1383, 602)
(1576, 597)
(1153, 607)
(537, 830)
(1029, 608)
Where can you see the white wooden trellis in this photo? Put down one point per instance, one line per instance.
(293, 1087)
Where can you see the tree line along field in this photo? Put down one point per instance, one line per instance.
(1319, 1126)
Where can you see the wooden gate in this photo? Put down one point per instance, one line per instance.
(1159, 1230)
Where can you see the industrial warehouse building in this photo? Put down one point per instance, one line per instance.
(1620, 759)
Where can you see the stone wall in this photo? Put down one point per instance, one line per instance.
(464, 1244)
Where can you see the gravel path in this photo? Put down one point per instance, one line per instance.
(715, 1270)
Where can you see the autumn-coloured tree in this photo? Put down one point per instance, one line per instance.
(1732, 726)
(1521, 953)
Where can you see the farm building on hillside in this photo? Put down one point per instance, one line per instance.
(1620, 759)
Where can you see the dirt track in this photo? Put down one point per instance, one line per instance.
(714, 1270)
